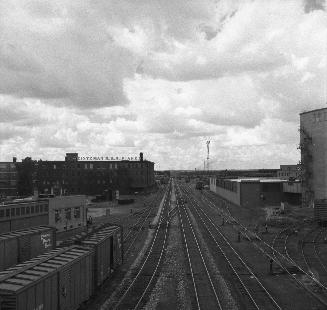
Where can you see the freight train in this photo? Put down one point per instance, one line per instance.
(63, 278)
(21, 245)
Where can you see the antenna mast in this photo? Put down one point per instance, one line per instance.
(208, 153)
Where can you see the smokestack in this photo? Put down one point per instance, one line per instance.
(141, 156)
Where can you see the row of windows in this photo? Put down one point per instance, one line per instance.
(231, 186)
(287, 174)
(67, 214)
(96, 166)
(22, 211)
(74, 173)
(83, 173)
(57, 182)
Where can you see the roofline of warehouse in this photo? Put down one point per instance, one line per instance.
(320, 109)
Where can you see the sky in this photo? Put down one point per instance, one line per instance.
(119, 77)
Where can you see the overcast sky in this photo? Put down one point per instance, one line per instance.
(116, 77)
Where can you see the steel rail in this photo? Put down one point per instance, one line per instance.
(189, 260)
(137, 235)
(252, 299)
(317, 252)
(277, 261)
(140, 214)
(201, 255)
(131, 285)
(157, 266)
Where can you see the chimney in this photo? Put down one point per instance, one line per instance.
(14, 159)
(141, 156)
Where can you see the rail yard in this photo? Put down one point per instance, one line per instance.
(195, 253)
(183, 248)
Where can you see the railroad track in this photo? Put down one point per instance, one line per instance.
(313, 262)
(320, 240)
(317, 291)
(135, 230)
(204, 286)
(135, 293)
(252, 291)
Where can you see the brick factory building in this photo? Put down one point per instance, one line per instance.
(94, 177)
(313, 146)
(8, 179)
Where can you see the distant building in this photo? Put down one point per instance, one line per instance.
(76, 177)
(8, 179)
(249, 192)
(67, 212)
(289, 171)
(313, 146)
(256, 192)
(23, 213)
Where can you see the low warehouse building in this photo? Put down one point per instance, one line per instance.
(23, 214)
(67, 212)
(251, 192)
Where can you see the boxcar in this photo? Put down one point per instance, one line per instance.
(60, 279)
(18, 246)
(107, 244)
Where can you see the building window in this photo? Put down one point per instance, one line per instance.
(77, 212)
(7, 212)
(54, 166)
(85, 166)
(46, 208)
(27, 210)
(32, 209)
(12, 212)
(57, 216)
(91, 166)
(36, 209)
(68, 213)
(2, 213)
(23, 210)
(116, 166)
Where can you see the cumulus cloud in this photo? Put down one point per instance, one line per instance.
(111, 78)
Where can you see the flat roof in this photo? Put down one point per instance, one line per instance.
(320, 109)
(258, 180)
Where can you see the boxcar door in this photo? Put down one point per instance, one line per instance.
(65, 289)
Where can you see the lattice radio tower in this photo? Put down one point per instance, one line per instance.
(208, 154)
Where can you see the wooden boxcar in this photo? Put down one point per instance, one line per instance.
(60, 279)
(21, 245)
(108, 250)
